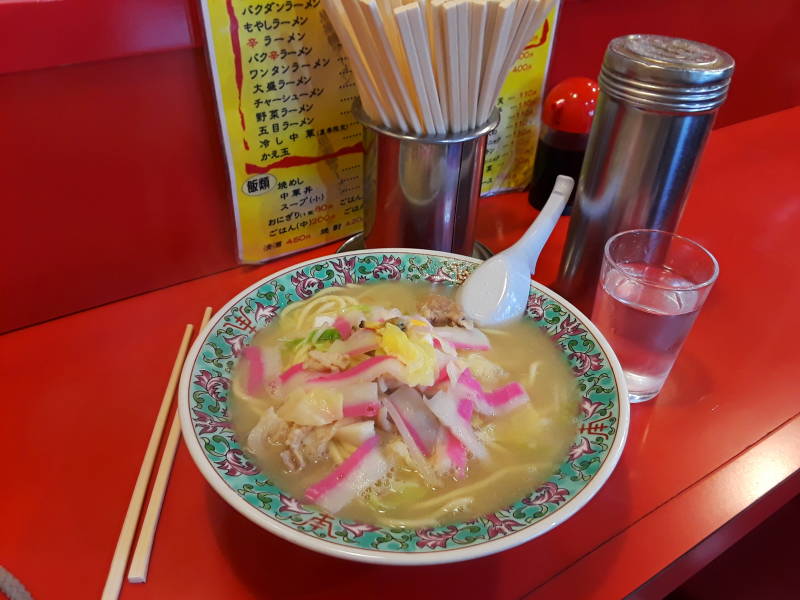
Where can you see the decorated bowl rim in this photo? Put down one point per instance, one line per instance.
(468, 552)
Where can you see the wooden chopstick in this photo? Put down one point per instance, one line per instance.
(390, 66)
(376, 61)
(123, 548)
(497, 51)
(386, 11)
(413, 56)
(477, 15)
(450, 30)
(439, 57)
(419, 29)
(465, 57)
(373, 101)
(137, 572)
(370, 94)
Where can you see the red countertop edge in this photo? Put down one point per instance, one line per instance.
(624, 557)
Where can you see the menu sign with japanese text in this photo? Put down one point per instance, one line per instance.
(284, 91)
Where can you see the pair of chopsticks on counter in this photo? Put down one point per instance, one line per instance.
(433, 66)
(137, 572)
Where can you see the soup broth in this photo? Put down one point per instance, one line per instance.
(524, 446)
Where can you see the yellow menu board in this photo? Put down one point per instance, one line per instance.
(284, 91)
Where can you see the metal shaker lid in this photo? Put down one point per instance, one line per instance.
(666, 73)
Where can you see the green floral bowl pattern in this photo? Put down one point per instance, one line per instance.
(203, 405)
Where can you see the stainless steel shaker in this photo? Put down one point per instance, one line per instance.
(658, 100)
(422, 192)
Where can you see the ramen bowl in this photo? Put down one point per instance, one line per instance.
(204, 412)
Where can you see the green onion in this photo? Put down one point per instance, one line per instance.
(329, 335)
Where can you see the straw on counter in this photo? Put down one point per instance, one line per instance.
(433, 67)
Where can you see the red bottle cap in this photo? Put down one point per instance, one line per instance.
(570, 105)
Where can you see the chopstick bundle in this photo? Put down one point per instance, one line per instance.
(433, 67)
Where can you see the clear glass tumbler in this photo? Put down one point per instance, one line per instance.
(652, 286)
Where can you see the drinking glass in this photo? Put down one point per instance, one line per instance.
(652, 286)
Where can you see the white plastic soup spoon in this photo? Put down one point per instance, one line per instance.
(498, 289)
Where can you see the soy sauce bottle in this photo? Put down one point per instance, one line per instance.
(567, 115)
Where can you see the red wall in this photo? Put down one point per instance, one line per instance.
(112, 179)
(761, 37)
(36, 34)
(112, 183)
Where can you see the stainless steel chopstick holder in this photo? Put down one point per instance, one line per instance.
(421, 192)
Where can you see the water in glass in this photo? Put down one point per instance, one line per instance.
(646, 318)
